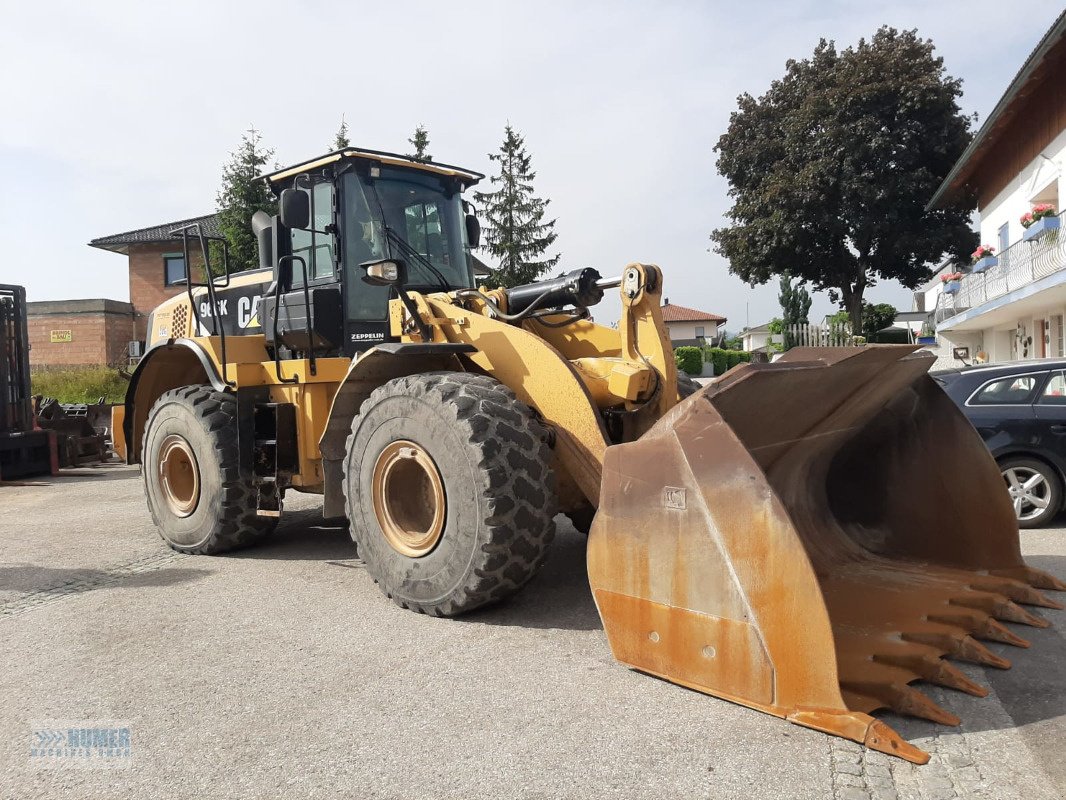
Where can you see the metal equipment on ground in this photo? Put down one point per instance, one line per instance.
(24, 450)
(788, 537)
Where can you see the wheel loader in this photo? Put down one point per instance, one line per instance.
(809, 538)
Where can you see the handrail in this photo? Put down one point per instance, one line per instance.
(209, 282)
(1019, 265)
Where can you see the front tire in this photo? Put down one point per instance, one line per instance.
(1035, 490)
(200, 501)
(449, 491)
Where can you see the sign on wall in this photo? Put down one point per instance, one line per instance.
(58, 337)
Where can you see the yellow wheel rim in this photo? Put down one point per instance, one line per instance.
(409, 499)
(179, 475)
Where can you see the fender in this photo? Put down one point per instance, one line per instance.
(168, 365)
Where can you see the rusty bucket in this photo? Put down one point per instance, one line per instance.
(810, 538)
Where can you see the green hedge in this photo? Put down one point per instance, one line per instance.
(725, 360)
(689, 360)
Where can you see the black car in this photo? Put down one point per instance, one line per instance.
(1019, 408)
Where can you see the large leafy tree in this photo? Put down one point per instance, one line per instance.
(241, 195)
(420, 142)
(516, 233)
(830, 170)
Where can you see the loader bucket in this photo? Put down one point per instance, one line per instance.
(811, 537)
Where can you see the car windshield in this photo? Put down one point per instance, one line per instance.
(424, 220)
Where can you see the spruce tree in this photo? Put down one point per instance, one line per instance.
(420, 142)
(240, 196)
(795, 306)
(340, 138)
(516, 233)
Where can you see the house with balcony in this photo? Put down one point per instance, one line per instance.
(1012, 305)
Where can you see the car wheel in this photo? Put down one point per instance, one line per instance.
(1035, 490)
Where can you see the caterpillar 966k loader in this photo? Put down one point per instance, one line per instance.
(745, 541)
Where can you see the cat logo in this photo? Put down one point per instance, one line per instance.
(248, 311)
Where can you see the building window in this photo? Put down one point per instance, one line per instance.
(1004, 243)
(699, 333)
(174, 270)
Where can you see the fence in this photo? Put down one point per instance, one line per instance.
(818, 336)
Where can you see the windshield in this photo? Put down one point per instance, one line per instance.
(418, 212)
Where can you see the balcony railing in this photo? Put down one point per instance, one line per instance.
(1019, 265)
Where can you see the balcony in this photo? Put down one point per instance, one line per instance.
(1021, 266)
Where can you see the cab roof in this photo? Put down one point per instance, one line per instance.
(466, 176)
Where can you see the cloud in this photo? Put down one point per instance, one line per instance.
(120, 114)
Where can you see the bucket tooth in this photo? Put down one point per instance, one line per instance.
(935, 670)
(1036, 578)
(997, 632)
(1018, 591)
(964, 648)
(903, 700)
(1000, 608)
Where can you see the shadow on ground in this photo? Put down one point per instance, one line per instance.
(558, 597)
(32, 579)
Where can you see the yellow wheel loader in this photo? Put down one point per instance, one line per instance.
(809, 538)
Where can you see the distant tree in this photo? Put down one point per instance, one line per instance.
(516, 233)
(830, 170)
(241, 195)
(795, 306)
(875, 317)
(340, 138)
(420, 142)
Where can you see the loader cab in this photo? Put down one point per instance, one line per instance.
(347, 209)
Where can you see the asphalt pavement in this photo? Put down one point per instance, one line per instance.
(282, 671)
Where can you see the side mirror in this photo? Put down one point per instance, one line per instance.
(384, 272)
(473, 230)
(294, 206)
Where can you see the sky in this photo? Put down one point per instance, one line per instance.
(120, 114)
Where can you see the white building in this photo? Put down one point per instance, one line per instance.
(688, 326)
(758, 339)
(1017, 160)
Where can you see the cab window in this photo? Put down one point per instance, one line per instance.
(316, 245)
(1013, 391)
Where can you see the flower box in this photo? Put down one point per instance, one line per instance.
(926, 340)
(985, 263)
(1040, 227)
(952, 287)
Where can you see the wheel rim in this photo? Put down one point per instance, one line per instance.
(409, 499)
(1029, 491)
(179, 475)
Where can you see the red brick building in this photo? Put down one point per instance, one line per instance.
(65, 333)
(156, 263)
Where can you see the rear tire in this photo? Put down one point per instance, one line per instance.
(476, 524)
(199, 500)
(686, 385)
(1035, 490)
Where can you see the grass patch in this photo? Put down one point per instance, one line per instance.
(80, 384)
